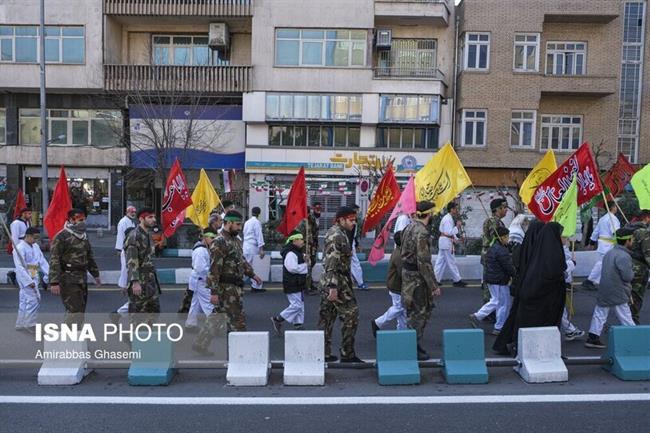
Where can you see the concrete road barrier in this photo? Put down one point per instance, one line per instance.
(248, 359)
(539, 354)
(304, 358)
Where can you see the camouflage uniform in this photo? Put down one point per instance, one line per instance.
(640, 264)
(336, 274)
(226, 280)
(490, 226)
(418, 280)
(140, 249)
(70, 260)
(313, 242)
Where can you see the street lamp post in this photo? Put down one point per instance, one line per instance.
(44, 175)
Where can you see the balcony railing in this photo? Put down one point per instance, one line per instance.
(179, 79)
(224, 8)
(402, 72)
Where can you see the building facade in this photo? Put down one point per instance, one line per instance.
(535, 76)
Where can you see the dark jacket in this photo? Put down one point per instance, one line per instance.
(293, 283)
(615, 286)
(394, 277)
(498, 265)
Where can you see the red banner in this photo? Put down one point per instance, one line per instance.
(176, 198)
(619, 175)
(385, 198)
(57, 212)
(549, 193)
(20, 205)
(296, 209)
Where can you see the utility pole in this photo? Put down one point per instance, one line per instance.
(44, 176)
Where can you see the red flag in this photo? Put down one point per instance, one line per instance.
(384, 199)
(619, 175)
(175, 200)
(20, 205)
(296, 209)
(57, 212)
(549, 193)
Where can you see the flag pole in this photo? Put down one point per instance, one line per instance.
(627, 221)
(611, 221)
(484, 209)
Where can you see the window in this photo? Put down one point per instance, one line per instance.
(473, 127)
(313, 107)
(526, 56)
(560, 132)
(99, 128)
(401, 137)
(566, 58)
(522, 129)
(409, 108)
(185, 51)
(318, 47)
(314, 135)
(476, 52)
(408, 58)
(63, 44)
(3, 126)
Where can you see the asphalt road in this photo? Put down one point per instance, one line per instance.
(265, 410)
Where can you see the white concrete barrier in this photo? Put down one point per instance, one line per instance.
(248, 359)
(539, 352)
(64, 363)
(304, 358)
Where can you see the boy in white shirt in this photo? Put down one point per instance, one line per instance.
(29, 260)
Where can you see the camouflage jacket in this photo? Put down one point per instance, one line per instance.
(640, 249)
(337, 259)
(227, 263)
(139, 251)
(416, 252)
(70, 253)
(490, 233)
(313, 232)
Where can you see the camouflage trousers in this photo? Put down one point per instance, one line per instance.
(347, 310)
(186, 302)
(417, 300)
(639, 285)
(74, 294)
(232, 304)
(310, 284)
(146, 306)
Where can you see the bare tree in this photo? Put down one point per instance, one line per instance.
(374, 172)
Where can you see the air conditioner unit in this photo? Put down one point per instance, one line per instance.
(383, 39)
(219, 37)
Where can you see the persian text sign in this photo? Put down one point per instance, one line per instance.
(548, 195)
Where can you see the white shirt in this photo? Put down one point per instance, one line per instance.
(18, 228)
(402, 221)
(570, 266)
(448, 228)
(200, 267)
(122, 226)
(253, 238)
(604, 234)
(291, 263)
(34, 260)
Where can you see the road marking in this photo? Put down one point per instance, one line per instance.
(325, 401)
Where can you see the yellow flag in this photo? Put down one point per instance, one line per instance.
(542, 170)
(204, 199)
(442, 178)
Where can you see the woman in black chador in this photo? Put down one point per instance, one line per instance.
(538, 288)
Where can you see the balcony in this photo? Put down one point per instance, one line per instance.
(214, 8)
(581, 11)
(407, 73)
(435, 12)
(578, 85)
(177, 79)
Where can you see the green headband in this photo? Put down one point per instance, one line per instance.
(624, 238)
(209, 235)
(233, 219)
(295, 237)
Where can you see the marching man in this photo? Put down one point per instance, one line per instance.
(29, 260)
(605, 234)
(254, 243)
(448, 237)
(198, 279)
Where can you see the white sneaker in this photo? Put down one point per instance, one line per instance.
(570, 336)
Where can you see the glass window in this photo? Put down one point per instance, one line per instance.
(30, 127)
(340, 136)
(3, 127)
(566, 58)
(272, 106)
(275, 135)
(20, 44)
(288, 106)
(354, 136)
(52, 50)
(184, 50)
(300, 135)
(473, 127)
(399, 137)
(80, 132)
(561, 133)
(313, 47)
(26, 50)
(287, 136)
(313, 136)
(477, 51)
(408, 58)
(526, 56)
(300, 107)
(522, 127)
(73, 50)
(327, 136)
(409, 108)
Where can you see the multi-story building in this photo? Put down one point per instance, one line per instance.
(341, 86)
(538, 75)
(81, 126)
